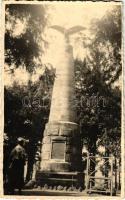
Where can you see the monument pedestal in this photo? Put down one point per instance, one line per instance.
(64, 179)
(61, 155)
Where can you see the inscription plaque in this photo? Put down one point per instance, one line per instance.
(58, 150)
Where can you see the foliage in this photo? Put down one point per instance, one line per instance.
(98, 106)
(108, 36)
(22, 45)
(26, 112)
(98, 99)
(109, 28)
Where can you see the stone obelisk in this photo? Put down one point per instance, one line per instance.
(61, 146)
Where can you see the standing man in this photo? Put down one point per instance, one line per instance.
(16, 167)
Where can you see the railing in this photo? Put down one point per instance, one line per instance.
(92, 178)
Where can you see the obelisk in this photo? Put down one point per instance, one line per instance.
(61, 145)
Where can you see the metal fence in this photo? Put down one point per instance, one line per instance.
(103, 175)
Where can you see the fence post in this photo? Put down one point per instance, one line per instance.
(87, 173)
(111, 176)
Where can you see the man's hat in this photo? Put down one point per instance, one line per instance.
(20, 139)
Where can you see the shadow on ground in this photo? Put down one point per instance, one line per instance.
(36, 192)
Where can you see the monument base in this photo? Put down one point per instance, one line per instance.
(61, 156)
(60, 180)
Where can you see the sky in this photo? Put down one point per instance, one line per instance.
(65, 14)
(82, 14)
(77, 13)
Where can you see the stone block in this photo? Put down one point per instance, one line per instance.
(55, 166)
(60, 187)
(69, 141)
(46, 148)
(46, 187)
(68, 148)
(68, 158)
(52, 131)
(45, 156)
(46, 140)
(58, 138)
(65, 132)
(50, 187)
(53, 124)
(65, 188)
(55, 187)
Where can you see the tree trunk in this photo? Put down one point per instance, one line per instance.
(119, 185)
(106, 172)
(92, 150)
(115, 173)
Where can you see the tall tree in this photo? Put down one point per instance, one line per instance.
(108, 35)
(26, 112)
(23, 34)
(99, 109)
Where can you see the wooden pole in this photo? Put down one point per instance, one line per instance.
(87, 173)
(111, 176)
